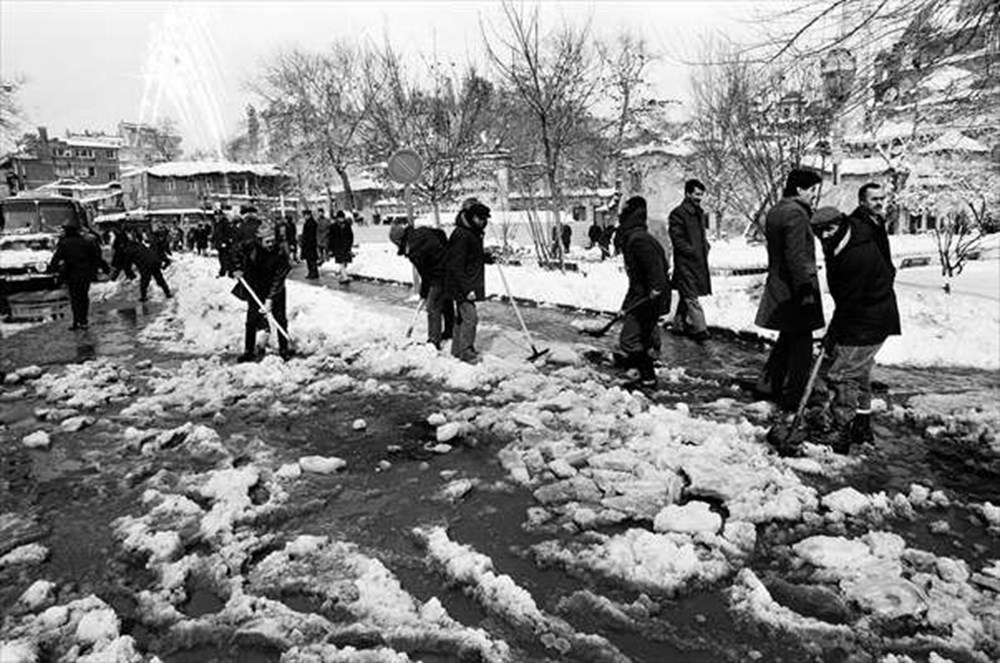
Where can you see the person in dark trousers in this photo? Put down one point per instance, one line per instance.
(342, 244)
(222, 242)
(608, 239)
(291, 238)
(322, 235)
(594, 235)
(77, 259)
(426, 248)
(791, 302)
(860, 276)
(691, 279)
(648, 295)
(127, 254)
(567, 236)
(264, 267)
(465, 275)
(309, 243)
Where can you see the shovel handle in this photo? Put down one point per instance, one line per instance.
(260, 304)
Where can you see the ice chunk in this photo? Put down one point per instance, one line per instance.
(846, 500)
(98, 625)
(448, 432)
(322, 464)
(40, 594)
(691, 517)
(832, 551)
(437, 419)
(37, 440)
(32, 553)
(359, 424)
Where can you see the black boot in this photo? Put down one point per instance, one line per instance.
(861, 429)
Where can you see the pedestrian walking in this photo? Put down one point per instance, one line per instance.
(342, 245)
(222, 242)
(426, 248)
(791, 302)
(77, 259)
(648, 295)
(567, 236)
(291, 238)
(263, 267)
(608, 236)
(860, 276)
(465, 275)
(127, 254)
(322, 235)
(309, 243)
(594, 235)
(686, 224)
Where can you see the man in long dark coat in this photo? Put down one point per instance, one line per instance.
(77, 259)
(691, 279)
(465, 275)
(648, 295)
(860, 275)
(222, 242)
(309, 243)
(426, 249)
(791, 303)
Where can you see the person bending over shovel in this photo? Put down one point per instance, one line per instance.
(426, 247)
(648, 295)
(263, 269)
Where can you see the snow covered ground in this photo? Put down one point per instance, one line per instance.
(960, 329)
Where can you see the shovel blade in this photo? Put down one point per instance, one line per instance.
(786, 440)
(537, 354)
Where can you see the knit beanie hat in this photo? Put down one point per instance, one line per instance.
(826, 216)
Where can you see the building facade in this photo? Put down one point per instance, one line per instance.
(190, 184)
(90, 159)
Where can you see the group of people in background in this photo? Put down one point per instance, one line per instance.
(860, 277)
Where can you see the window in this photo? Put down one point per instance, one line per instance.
(170, 185)
(84, 153)
(91, 171)
(109, 154)
(192, 185)
(111, 177)
(64, 171)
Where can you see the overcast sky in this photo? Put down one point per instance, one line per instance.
(86, 64)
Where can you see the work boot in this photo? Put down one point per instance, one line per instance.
(700, 337)
(842, 443)
(246, 358)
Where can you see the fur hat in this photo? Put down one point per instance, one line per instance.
(472, 207)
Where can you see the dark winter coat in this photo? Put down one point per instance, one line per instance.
(646, 263)
(687, 234)
(77, 259)
(222, 235)
(860, 276)
(129, 253)
(265, 271)
(594, 234)
(465, 262)
(341, 241)
(308, 241)
(791, 300)
(290, 233)
(426, 249)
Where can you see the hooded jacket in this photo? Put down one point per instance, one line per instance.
(791, 300)
(465, 262)
(646, 262)
(860, 276)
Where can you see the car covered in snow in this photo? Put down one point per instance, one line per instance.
(30, 227)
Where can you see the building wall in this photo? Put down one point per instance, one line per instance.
(144, 190)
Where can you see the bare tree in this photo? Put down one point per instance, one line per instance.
(753, 126)
(556, 76)
(441, 123)
(315, 106)
(625, 61)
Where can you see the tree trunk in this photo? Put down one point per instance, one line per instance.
(437, 213)
(348, 192)
(554, 200)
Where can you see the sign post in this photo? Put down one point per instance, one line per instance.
(404, 167)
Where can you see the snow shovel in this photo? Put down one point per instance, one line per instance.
(413, 321)
(535, 352)
(783, 439)
(601, 331)
(270, 317)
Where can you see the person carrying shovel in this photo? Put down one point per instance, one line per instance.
(263, 269)
(648, 295)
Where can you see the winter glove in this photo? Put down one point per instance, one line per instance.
(267, 306)
(238, 274)
(471, 296)
(655, 294)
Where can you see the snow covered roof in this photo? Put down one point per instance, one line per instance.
(111, 142)
(856, 166)
(192, 168)
(954, 141)
(670, 149)
(74, 185)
